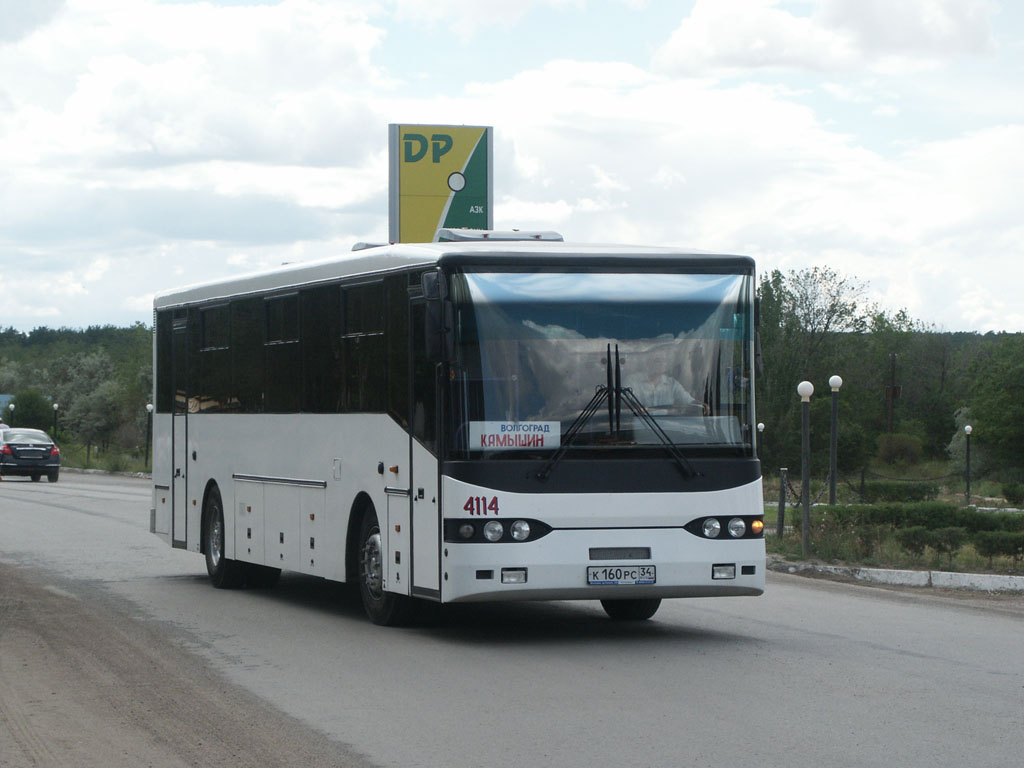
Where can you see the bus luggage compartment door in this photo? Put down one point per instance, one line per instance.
(396, 537)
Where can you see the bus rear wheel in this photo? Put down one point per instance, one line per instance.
(224, 573)
(382, 607)
(637, 609)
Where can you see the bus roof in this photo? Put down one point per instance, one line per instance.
(373, 261)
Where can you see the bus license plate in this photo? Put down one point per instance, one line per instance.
(620, 574)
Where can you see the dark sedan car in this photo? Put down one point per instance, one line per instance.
(29, 453)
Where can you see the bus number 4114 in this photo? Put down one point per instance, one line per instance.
(481, 505)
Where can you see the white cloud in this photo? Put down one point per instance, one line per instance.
(729, 36)
(149, 145)
(466, 17)
(933, 29)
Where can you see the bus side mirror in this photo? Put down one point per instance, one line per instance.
(431, 284)
(438, 320)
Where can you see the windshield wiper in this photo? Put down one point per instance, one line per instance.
(581, 420)
(615, 394)
(640, 411)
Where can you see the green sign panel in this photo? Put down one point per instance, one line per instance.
(440, 178)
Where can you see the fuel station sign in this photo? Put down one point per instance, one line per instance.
(440, 177)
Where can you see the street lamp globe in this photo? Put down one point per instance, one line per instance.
(968, 429)
(149, 407)
(835, 382)
(805, 389)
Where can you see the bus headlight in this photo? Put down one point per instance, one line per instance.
(466, 530)
(493, 530)
(520, 530)
(737, 527)
(712, 528)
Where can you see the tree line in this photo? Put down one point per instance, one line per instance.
(908, 388)
(99, 377)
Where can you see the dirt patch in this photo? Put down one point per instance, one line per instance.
(82, 684)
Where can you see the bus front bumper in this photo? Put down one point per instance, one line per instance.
(558, 567)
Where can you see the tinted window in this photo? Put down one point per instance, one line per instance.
(33, 436)
(247, 354)
(363, 344)
(397, 291)
(424, 394)
(320, 326)
(282, 319)
(164, 370)
(364, 309)
(216, 322)
(213, 382)
(282, 391)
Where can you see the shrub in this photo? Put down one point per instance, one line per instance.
(913, 539)
(1014, 493)
(116, 462)
(899, 448)
(992, 543)
(948, 541)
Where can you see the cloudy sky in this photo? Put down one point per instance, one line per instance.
(147, 144)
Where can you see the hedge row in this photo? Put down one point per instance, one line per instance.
(882, 490)
(931, 515)
(948, 540)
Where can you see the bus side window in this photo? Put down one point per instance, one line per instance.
(365, 353)
(247, 354)
(282, 391)
(320, 332)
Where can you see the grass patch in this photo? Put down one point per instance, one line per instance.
(78, 456)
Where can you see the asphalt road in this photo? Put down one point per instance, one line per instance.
(813, 673)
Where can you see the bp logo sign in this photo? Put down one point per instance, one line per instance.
(440, 178)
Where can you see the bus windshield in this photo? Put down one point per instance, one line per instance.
(649, 352)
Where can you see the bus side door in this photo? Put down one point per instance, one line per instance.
(423, 453)
(179, 449)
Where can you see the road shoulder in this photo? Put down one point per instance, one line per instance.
(83, 684)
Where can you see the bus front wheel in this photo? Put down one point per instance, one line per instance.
(224, 573)
(631, 610)
(382, 607)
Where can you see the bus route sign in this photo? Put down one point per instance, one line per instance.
(440, 177)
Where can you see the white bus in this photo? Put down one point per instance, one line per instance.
(480, 420)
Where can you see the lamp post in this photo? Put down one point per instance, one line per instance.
(56, 407)
(149, 429)
(967, 433)
(833, 468)
(805, 389)
(11, 408)
(760, 434)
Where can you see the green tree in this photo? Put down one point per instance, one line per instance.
(997, 402)
(96, 414)
(32, 410)
(811, 327)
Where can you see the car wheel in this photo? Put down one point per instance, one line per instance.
(631, 610)
(51, 477)
(382, 607)
(224, 573)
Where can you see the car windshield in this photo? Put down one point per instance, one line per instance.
(534, 350)
(31, 436)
